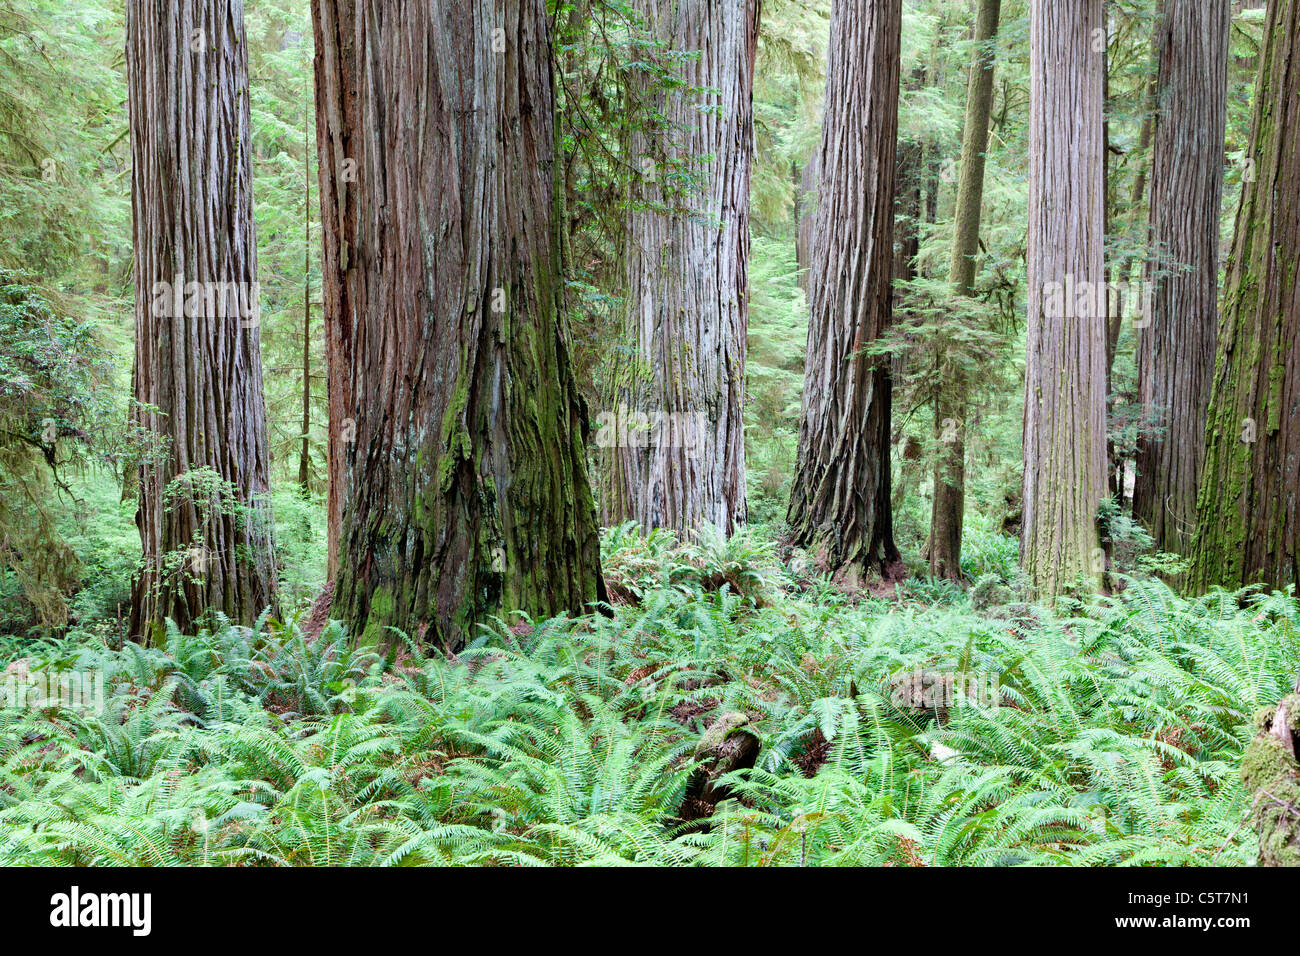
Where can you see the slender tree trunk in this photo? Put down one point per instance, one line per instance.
(674, 429)
(334, 26)
(1176, 352)
(949, 503)
(909, 175)
(467, 492)
(907, 218)
(203, 517)
(908, 165)
(1115, 304)
(1246, 521)
(304, 453)
(1065, 365)
(805, 206)
(840, 506)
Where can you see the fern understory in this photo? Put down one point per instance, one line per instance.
(1114, 736)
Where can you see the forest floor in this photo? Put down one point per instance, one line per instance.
(932, 726)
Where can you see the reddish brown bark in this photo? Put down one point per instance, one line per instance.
(840, 505)
(1247, 527)
(336, 122)
(1065, 364)
(1176, 351)
(466, 485)
(203, 518)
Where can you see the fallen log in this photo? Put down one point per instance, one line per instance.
(728, 744)
(1271, 774)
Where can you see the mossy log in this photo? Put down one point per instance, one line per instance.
(728, 744)
(1272, 776)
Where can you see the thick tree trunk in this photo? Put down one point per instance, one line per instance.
(1065, 365)
(203, 517)
(674, 429)
(949, 504)
(467, 492)
(839, 506)
(1176, 352)
(1246, 520)
(334, 26)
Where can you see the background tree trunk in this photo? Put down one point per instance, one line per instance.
(1246, 520)
(197, 376)
(948, 508)
(467, 490)
(1176, 350)
(805, 206)
(334, 26)
(1065, 365)
(304, 448)
(839, 506)
(688, 288)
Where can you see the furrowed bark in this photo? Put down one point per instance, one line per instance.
(335, 66)
(674, 429)
(1246, 520)
(840, 505)
(206, 539)
(1176, 351)
(467, 492)
(1065, 366)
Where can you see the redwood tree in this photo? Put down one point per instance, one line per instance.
(1176, 351)
(202, 514)
(949, 505)
(334, 26)
(1246, 517)
(674, 428)
(839, 504)
(1065, 364)
(466, 485)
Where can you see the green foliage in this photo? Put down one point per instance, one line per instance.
(64, 204)
(778, 335)
(55, 415)
(1109, 737)
(287, 209)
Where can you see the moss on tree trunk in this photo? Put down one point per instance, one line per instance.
(466, 489)
(1246, 520)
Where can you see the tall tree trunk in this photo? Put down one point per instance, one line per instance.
(467, 492)
(1115, 304)
(674, 430)
(1176, 351)
(909, 159)
(805, 205)
(1065, 364)
(839, 505)
(334, 26)
(304, 451)
(203, 517)
(949, 504)
(1246, 521)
